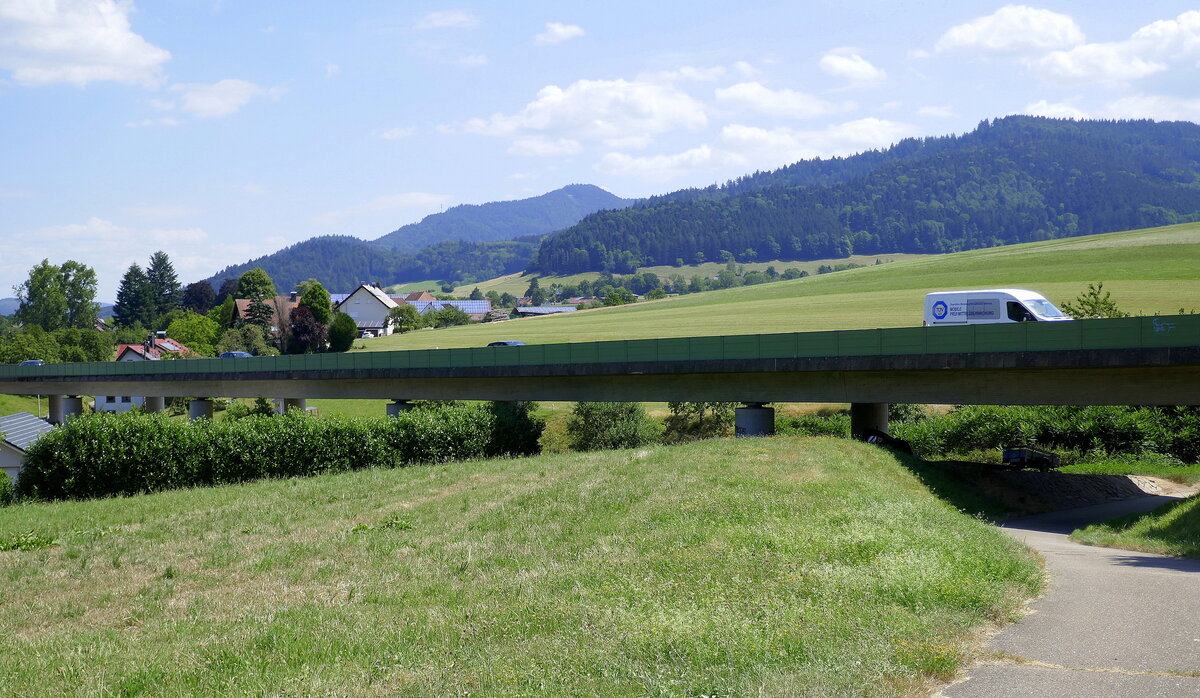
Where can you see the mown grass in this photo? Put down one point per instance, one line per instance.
(11, 404)
(1170, 530)
(1156, 467)
(783, 566)
(1147, 272)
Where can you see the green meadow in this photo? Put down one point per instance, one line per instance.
(1147, 272)
(786, 566)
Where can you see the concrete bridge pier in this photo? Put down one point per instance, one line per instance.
(868, 415)
(296, 402)
(154, 403)
(398, 406)
(754, 419)
(200, 408)
(64, 407)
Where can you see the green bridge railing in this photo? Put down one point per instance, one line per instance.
(1123, 333)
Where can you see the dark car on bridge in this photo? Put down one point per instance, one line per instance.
(507, 343)
(236, 355)
(32, 362)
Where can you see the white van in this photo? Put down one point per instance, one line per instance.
(989, 306)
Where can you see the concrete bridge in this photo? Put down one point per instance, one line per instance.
(1142, 361)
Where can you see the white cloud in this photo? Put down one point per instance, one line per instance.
(149, 123)
(539, 146)
(660, 168)
(221, 98)
(332, 70)
(751, 147)
(745, 69)
(474, 60)
(397, 133)
(557, 32)
(685, 74)
(254, 188)
(754, 96)
(410, 201)
(1056, 111)
(1159, 107)
(76, 42)
(160, 212)
(610, 111)
(1172, 36)
(937, 112)
(1014, 29)
(845, 63)
(1114, 63)
(447, 19)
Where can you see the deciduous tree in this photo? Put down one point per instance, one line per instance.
(42, 301)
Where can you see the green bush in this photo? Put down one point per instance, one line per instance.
(1090, 431)
(596, 426)
(692, 421)
(517, 430)
(815, 425)
(108, 454)
(6, 491)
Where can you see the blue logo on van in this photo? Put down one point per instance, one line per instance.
(939, 310)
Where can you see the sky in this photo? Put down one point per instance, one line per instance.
(223, 130)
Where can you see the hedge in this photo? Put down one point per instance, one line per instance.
(107, 454)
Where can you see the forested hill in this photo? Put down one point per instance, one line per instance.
(341, 262)
(1015, 179)
(504, 220)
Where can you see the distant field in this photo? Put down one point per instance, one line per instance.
(1149, 271)
(11, 404)
(516, 284)
(413, 287)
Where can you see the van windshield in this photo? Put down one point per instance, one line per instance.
(1044, 308)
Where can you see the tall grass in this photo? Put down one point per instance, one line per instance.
(780, 566)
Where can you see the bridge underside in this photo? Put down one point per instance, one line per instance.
(1168, 376)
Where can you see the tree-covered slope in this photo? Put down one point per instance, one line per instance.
(341, 262)
(1017, 179)
(503, 220)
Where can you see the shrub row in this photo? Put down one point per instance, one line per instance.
(107, 454)
(1091, 430)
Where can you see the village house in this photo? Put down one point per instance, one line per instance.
(19, 432)
(369, 306)
(281, 309)
(156, 348)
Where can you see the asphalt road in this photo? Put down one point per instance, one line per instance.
(1112, 622)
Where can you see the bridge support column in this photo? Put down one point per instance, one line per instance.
(64, 407)
(296, 402)
(754, 419)
(200, 408)
(868, 415)
(154, 403)
(398, 406)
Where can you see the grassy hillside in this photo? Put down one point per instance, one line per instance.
(516, 284)
(11, 404)
(1147, 271)
(754, 567)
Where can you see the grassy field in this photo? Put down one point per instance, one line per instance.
(516, 284)
(11, 404)
(1170, 530)
(781, 566)
(1147, 272)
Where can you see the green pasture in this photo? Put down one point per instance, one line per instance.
(11, 404)
(1170, 530)
(785, 566)
(1147, 272)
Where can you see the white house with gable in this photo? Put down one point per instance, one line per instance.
(369, 307)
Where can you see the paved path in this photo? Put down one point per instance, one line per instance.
(1112, 622)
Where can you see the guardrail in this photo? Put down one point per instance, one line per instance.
(1122, 333)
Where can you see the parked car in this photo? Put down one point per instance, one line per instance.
(236, 355)
(507, 343)
(32, 362)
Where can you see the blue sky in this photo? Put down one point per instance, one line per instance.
(221, 130)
